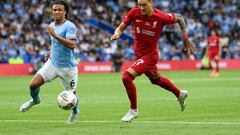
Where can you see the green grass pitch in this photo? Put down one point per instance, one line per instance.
(213, 106)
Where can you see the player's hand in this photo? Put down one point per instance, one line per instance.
(217, 57)
(189, 46)
(115, 36)
(50, 30)
(47, 55)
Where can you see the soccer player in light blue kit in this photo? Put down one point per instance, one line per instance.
(61, 62)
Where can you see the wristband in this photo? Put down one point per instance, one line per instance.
(185, 36)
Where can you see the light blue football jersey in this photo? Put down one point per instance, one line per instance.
(61, 56)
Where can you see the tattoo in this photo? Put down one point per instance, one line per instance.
(181, 22)
(154, 78)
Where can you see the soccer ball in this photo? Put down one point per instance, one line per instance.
(67, 100)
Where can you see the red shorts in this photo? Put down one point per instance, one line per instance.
(212, 55)
(146, 64)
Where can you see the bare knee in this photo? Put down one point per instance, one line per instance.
(33, 85)
(36, 82)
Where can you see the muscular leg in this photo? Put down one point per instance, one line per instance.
(217, 65)
(73, 116)
(69, 79)
(36, 82)
(163, 82)
(214, 65)
(75, 109)
(216, 73)
(127, 79)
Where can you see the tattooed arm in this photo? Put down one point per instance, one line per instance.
(181, 22)
(186, 42)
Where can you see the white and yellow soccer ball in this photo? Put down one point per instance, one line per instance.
(67, 100)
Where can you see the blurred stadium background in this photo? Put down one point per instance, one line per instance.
(21, 35)
(213, 102)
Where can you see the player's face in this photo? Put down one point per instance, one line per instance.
(213, 33)
(58, 12)
(145, 6)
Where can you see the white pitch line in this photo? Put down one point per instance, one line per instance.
(189, 122)
(139, 122)
(179, 80)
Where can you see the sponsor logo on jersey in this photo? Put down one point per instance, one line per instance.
(148, 32)
(213, 43)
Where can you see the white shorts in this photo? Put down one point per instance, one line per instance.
(69, 76)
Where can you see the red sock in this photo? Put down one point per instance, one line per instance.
(167, 84)
(127, 79)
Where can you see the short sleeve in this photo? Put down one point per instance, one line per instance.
(128, 17)
(71, 32)
(168, 18)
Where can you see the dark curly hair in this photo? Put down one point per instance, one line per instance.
(62, 2)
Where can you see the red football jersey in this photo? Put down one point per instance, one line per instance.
(213, 44)
(147, 29)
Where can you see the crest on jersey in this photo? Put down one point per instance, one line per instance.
(71, 30)
(155, 24)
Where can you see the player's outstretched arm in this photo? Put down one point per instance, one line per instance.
(186, 42)
(69, 43)
(118, 31)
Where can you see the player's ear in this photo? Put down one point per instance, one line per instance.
(65, 13)
(151, 1)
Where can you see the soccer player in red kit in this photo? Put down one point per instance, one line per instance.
(213, 52)
(148, 25)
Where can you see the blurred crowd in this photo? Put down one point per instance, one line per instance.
(22, 39)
